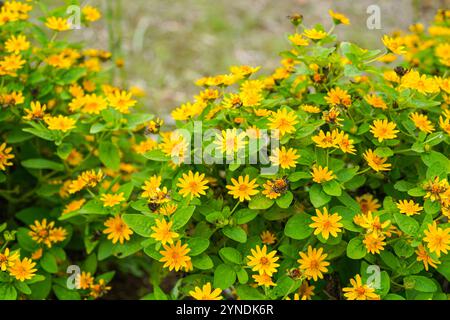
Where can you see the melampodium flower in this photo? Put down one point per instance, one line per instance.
(35, 112)
(298, 40)
(314, 34)
(57, 23)
(360, 291)
(262, 261)
(374, 242)
(375, 101)
(175, 256)
(242, 188)
(205, 293)
(263, 280)
(326, 224)
(163, 232)
(422, 255)
(383, 130)
(409, 207)
(92, 103)
(16, 44)
(40, 232)
(375, 162)
(5, 156)
(421, 122)
(285, 158)
(306, 291)
(368, 203)
(437, 239)
(60, 123)
(192, 184)
(23, 269)
(230, 141)
(91, 13)
(110, 200)
(395, 45)
(268, 237)
(313, 263)
(320, 174)
(151, 186)
(7, 258)
(117, 230)
(338, 18)
(283, 120)
(275, 188)
(326, 140)
(84, 280)
(337, 97)
(121, 101)
(99, 289)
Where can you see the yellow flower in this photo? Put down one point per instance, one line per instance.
(263, 280)
(298, 40)
(145, 146)
(84, 280)
(36, 255)
(262, 261)
(73, 206)
(409, 207)
(168, 209)
(368, 203)
(445, 124)
(328, 140)
(99, 289)
(284, 158)
(205, 293)
(92, 104)
(421, 122)
(275, 188)
(40, 232)
(374, 242)
(375, 162)
(338, 18)
(337, 97)
(5, 156)
(383, 130)
(16, 44)
(7, 259)
(175, 256)
(192, 184)
(360, 291)
(370, 222)
(435, 188)
(320, 174)
(313, 263)
(283, 120)
(394, 45)
(10, 64)
(121, 101)
(242, 188)
(305, 291)
(23, 269)
(310, 109)
(326, 224)
(117, 230)
(230, 141)
(438, 239)
(61, 123)
(163, 232)
(268, 237)
(57, 24)
(345, 143)
(442, 51)
(91, 13)
(421, 83)
(251, 98)
(151, 186)
(375, 101)
(422, 255)
(111, 200)
(35, 112)
(57, 234)
(314, 34)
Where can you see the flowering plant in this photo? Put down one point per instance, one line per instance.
(325, 179)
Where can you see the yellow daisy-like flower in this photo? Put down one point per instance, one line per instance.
(23, 269)
(326, 224)
(151, 186)
(445, 124)
(314, 34)
(206, 293)
(283, 120)
(409, 207)
(310, 109)
(93, 104)
(17, 44)
(368, 203)
(360, 291)
(35, 112)
(427, 260)
(345, 143)
(84, 280)
(60, 123)
(338, 18)
(298, 40)
(5, 156)
(395, 45)
(326, 140)
(305, 292)
(263, 280)
(374, 242)
(268, 237)
(437, 239)
(421, 122)
(175, 256)
(192, 185)
(230, 141)
(423, 84)
(57, 23)
(262, 261)
(375, 101)
(91, 13)
(375, 162)
(285, 158)
(320, 174)
(371, 223)
(117, 230)
(383, 130)
(7, 259)
(338, 97)
(111, 200)
(275, 188)
(40, 232)
(57, 234)
(313, 263)
(163, 232)
(99, 289)
(73, 206)
(242, 188)
(121, 101)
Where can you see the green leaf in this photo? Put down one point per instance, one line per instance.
(182, 216)
(64, 149)
(232, 255)
(242, 276)
(246, 292)
(22, 287)
(136, 119)
(197, 245)
(48, 263)
(65, 294)
(407, 224)
(419, 283)
(202, 262)
(42, 164)
(332, 188)
(139, 223)
(156, 155)
(285, 200)
(356, 249)
(235, 233)
(318, 197)
(72, 75)
(109, 155)
(384, 152)
(298, 227)
(260, 202)
(224, 276)
(7, 291)
(245, 215)
(296, 176)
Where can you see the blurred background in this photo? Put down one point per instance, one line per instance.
(167, 44)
